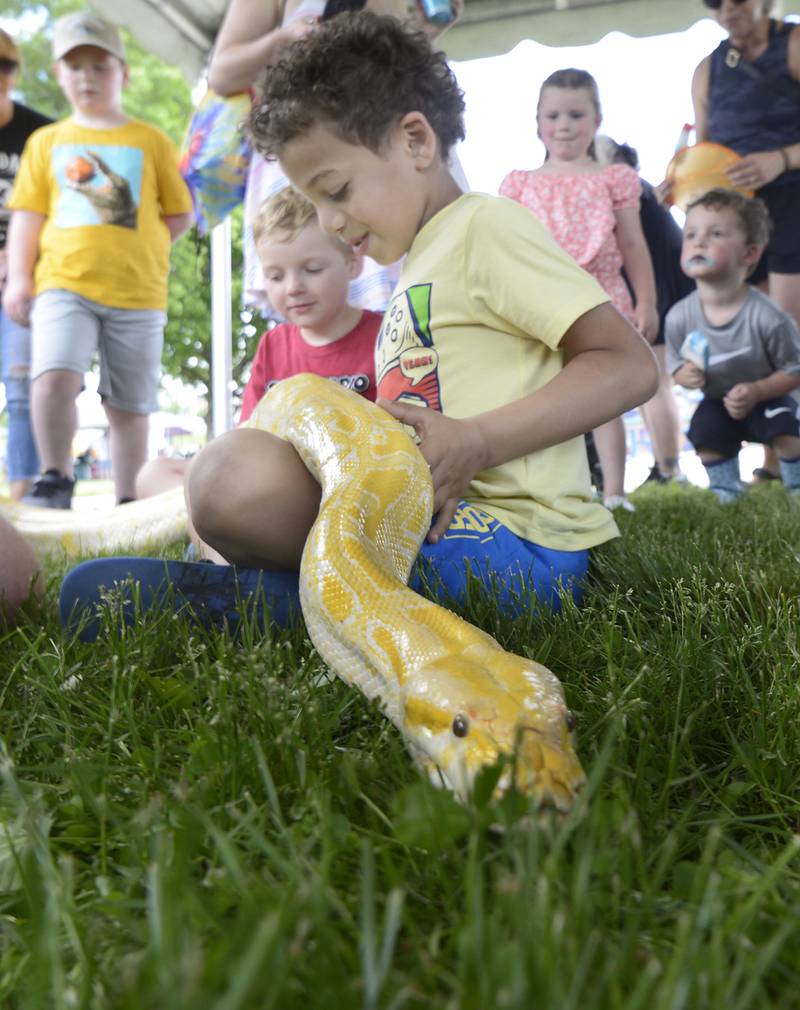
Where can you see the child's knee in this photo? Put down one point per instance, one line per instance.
(211, 488)
(786, 446)
(243, 476)
(57, 382)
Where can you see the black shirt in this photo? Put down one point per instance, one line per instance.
(12, 140)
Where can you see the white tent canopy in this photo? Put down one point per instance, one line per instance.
(182, 31)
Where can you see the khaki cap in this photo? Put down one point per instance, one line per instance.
(84, 29)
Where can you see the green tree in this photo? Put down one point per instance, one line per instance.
(159, 94)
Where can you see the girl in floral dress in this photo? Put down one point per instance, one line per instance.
(592, 211)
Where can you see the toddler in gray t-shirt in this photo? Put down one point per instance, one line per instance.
(732, 342)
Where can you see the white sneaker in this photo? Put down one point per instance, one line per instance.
(619, 501)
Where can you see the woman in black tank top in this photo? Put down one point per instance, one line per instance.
(746, 95)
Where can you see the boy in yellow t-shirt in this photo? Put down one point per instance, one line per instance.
(496, 348)
(97, 201)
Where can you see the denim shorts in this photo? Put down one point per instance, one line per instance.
(22, 459)
(68, 329)
(478, 547)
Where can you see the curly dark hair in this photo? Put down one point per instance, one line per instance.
(358, 75)
(752, 212)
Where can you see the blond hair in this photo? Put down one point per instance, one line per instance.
(9, 50)
(288, 211)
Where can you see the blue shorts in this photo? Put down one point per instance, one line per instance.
(477, 550)
(478, 547)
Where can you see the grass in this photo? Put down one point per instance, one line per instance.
(193, 822)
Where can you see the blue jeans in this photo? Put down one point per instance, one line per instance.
(22, 459)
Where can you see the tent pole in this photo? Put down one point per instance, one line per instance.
(221, 329)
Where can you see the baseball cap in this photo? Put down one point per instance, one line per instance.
(85, 29)
(8, 48)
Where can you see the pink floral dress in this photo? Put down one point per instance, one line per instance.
(578, 210)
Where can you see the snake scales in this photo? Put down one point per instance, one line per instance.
(458, 698)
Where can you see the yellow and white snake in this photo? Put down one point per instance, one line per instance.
(456, 696)
(138, 527)
(459, 700)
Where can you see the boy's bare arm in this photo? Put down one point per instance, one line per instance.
(22, 248)
(177, 224)
(608, 369)
(746, 395)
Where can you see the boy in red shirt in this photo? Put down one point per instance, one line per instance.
(306, 274)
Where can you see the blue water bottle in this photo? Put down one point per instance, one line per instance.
(438, 12)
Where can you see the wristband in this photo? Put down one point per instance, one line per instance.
(787, 165)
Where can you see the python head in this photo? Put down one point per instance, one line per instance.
(462, 712)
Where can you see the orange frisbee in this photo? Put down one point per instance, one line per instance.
(697, 169)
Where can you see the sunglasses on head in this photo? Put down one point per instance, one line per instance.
(8, 66)
(715, 5)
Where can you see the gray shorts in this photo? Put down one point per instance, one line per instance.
(67, 329)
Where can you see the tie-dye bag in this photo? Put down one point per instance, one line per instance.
(215, 157)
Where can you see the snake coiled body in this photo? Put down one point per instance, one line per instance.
(457, 697)
(459, 700)
(137, 527)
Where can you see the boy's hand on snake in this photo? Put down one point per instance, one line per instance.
(454, 449)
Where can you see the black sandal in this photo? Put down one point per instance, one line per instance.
(760, 475)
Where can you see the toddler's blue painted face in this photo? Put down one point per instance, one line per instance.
(714, 245)
(698, 260)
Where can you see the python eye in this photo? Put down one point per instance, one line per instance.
(570, 720)
(460, 726)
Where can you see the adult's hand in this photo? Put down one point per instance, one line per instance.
(432, 29)
(663, 192)
(757, 169)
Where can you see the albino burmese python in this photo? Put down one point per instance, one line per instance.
(459, 700)
(135, 528)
